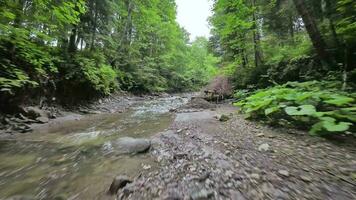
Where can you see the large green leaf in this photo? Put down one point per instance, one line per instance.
(271, 110)
(300, 110)
(339, 100)
(330, 124)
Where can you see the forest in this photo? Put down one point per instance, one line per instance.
(302, 51)
(78, 49)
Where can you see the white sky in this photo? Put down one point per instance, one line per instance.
(193, 16)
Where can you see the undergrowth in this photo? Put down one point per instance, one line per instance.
(319, 106)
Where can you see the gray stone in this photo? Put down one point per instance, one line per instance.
(132, 145)
(283, 173)
(201, 194)
(306, 178)
(42, 120)
(34, 112)
(263, 147)
(255, 176)
(224, 118)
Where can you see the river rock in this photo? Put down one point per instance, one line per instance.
(118, 183)
(42, 120)
(283, 173)
(264, 147)
(201, 194)
(34, 112)
(132, 145)
(224, 118)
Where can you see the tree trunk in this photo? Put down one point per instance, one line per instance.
(256, 39)
(72, 40)
(314, 33)
(94, 26)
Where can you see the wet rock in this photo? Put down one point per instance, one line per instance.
(255, 176)
(283, 173)
(305, 178)
(34, 112)
(146, 167)
(202, 194)
(42, 120)
(132, 145)
(264, 147)
(118, 183)
(260, 135)
(224, 118)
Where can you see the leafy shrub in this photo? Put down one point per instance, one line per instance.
(241, 94)
(317, 105)
(101, 77)
(88, 75)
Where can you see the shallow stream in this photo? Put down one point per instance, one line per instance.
(74, 159)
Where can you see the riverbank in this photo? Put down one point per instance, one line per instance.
(201, 157)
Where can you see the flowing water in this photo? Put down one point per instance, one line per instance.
(74, 159)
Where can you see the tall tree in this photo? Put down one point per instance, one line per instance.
(314, 33)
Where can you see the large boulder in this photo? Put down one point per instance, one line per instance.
(132, 145)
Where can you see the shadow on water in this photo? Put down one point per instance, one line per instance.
(74, 159)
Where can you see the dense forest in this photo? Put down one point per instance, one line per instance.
(81, 49)
(270, 44)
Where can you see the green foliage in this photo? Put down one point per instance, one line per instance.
(89, 69)
(80, 49)
(241, 94)
(318, 105)
(263, 43)
(346, 25)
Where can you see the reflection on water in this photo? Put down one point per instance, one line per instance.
(74, 159)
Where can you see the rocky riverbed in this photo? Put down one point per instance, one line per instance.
(174, 148)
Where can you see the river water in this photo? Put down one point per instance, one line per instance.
(74, 159)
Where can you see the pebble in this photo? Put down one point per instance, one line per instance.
(260, 135)
(146, 167)
(306, 178)
(201, 194)
(264, 147)
(283, 173)
(255, 176)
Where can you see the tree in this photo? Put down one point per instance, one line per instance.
(314, 33)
